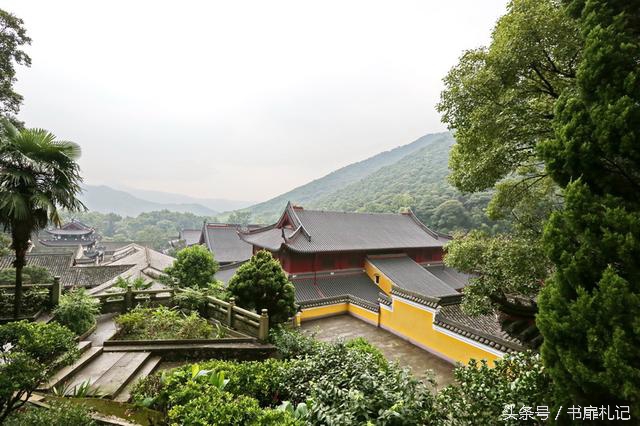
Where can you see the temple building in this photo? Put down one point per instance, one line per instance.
(73, 233)
(385, 269)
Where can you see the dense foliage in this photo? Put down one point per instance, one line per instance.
(337, 383)
(154, 229)
(481, 394)
(260, 284)
(13, 37)
(164, 323)
(30, 353)
(194, 268)
(61, 413)
(38, 175)
(417, 181)
(503, 266)
(590, 307)
(77, 310)
(33, 299)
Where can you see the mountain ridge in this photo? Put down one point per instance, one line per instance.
(105, 199)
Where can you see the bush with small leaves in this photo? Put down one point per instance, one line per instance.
(30, 353)
(62, 413)
(77, 310)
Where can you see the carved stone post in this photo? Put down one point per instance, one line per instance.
(230, 313)
(263, 331)
(55, 292)
(128, 298)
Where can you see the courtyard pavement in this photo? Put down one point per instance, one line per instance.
(421, 362)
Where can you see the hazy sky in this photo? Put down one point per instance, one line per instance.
(239, 99)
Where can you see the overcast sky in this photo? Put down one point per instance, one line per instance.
(239, 99)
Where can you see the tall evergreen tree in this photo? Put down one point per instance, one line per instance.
(590, 308)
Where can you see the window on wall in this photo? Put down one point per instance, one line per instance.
(377, 277)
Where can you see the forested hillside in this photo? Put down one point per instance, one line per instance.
(269, 210)
(417, 181)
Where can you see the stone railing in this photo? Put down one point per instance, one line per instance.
(54, 289)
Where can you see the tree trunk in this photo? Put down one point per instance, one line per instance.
(17, 295)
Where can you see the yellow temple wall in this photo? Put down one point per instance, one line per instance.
(414, 323)
(385, 283)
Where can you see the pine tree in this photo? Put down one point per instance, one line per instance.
(262, 284)
(590, 308)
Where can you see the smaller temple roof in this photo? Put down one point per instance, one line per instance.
(223, 241)
(191, 236)
(454, 279)
(407, 274)
(484, 329)
(322, 286)
(312, 231)
(74, 227)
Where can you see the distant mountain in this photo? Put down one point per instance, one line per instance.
(217, 204)
(411, 176)
(105, 199)
(334, 181)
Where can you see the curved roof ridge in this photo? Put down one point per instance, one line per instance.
(301, 228)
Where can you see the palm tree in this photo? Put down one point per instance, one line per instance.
(38, 175)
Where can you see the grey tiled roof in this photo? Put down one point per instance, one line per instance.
(225, 272)
(451, 277)
(61, 265)
(225, 244)
(191, 236)
(314, 231)
(340, 285)
(484, 329)
(405, 273)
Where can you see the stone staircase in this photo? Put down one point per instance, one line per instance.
(110, 374)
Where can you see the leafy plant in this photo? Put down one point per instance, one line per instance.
(33, 299)
(81, 390)
(60, 413)
(136, 283)
(291, 343)
(163, 323)
(481, 393)
(30, 353)
(77, 310)
(194, 267)
(38, 175)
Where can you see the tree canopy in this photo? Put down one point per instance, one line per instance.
(13, 37)
(260, 284)
(589, 308)
(30, 354)
(194, 267)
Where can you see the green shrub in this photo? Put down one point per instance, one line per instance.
(63, 413)
(191, 299)
(480, 393)
(37, 350)
(77, 310)
(361, 344)
(30, 275)
(292, 343)
(211, 406)
(340, 384)
(163, 323)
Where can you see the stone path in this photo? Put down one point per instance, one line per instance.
(393, 347)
